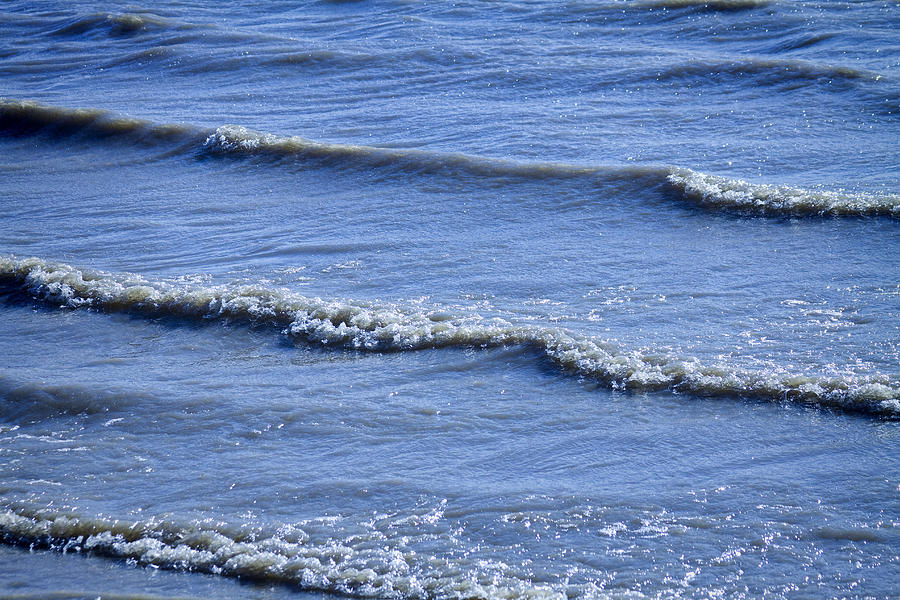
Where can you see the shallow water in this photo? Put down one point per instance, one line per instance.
(450, 301)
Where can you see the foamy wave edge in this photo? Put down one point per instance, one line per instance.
(288, 556)
(372, 326)
(711, 191)
(721, 192)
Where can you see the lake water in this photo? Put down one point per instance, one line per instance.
(439, 301)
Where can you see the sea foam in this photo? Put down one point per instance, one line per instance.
(374, 326)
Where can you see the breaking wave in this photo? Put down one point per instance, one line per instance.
(721, 192)
(711, 191)
(376, 561)
(372, 326)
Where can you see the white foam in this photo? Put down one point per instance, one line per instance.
(386, 326)
(353, 566)
(722, 192)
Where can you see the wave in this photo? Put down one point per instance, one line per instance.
(711, 191)
(629, 9)
(767, 71)
(233, 139)
(368, 564)
(706, 5)
(722, 192)
(117, 25)
(372, 326)
(22, 117)
(19, 118)
(707, 190)
(33, 402)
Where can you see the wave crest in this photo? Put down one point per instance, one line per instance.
(352, 565)
(372, 326)
(234, 139)
(721, 192)
(116, 25)
(26, 118)
(22, 117)
(765, 71)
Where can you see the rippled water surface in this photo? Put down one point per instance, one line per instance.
(450, 300)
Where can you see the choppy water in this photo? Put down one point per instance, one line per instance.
(450, 300)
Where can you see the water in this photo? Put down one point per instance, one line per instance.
(432, 301)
